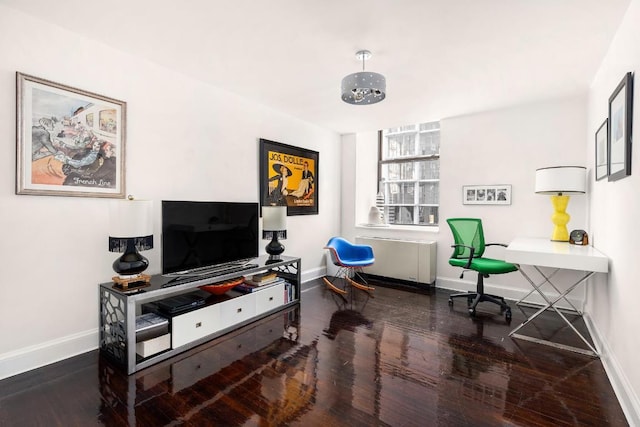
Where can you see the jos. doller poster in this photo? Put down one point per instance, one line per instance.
(291, 177)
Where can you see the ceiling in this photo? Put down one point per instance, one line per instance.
(441, 58)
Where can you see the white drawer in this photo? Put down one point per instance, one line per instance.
(194, 325)
(237, 310)
(270, 298)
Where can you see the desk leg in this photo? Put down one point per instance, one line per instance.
(547, 280)
(551, 304)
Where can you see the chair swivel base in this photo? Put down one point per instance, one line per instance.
(474, 298)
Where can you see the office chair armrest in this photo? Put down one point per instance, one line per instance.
(472, 250)
(504, 245)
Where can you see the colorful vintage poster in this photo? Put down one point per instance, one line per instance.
(289, 177)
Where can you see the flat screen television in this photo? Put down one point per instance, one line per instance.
(202, 234)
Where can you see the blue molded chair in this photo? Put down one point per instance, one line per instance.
(350, 259)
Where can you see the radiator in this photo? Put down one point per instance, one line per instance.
(409, 260)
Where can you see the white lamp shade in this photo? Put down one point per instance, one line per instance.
(130, 218)
(274, 218)
(561, 180)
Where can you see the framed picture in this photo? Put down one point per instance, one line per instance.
(288, 177)
(486, 194)
(620, 118)
(70, 142)
(602, 136)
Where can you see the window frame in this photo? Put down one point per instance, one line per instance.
(432, 208)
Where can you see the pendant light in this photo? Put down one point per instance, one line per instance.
(365, 87)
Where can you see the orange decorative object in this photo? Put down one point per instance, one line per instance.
(222, 287)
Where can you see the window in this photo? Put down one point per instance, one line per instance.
(409, 174)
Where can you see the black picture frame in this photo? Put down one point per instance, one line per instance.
(602, 145)
(620, 126)
(289, 177)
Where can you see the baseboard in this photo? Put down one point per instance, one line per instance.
(510, 293)
(315, 273)
(621, 385)
(28, 358)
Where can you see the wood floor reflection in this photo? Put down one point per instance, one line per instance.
(398, 359)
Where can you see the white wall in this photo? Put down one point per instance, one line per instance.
(185, 140)
(506, 147)
(615, 209)
(494, 147)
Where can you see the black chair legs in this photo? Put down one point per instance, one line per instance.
(474, 298)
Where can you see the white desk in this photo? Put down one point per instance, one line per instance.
(541, 252)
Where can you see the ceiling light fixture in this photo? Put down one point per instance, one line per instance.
(365, 87)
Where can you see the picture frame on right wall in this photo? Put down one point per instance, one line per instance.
(619, 133)
(602, 164)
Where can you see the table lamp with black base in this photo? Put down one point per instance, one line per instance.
(274, 227)
(130, 231)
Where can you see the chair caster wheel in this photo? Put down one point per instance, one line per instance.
(507, 315)
(450, 302)
(472, 312)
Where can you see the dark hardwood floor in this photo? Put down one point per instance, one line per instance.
(399, 359)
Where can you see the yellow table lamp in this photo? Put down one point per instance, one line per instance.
(560, 182)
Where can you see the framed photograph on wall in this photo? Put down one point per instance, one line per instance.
(486, 194)
(620, 125)
(70, 142)
(602, 165)
(289, 177)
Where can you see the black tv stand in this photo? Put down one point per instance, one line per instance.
(221, 314)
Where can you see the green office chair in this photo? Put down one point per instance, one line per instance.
(467, 253)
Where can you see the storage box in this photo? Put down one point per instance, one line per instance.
(150, 325)
(153, 346)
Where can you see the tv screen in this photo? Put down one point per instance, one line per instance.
(200, 234)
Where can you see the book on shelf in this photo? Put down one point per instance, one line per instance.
(248, 287)
(263, 277)
(289, 292)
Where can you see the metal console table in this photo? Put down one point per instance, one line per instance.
(119, 308)
(539, 253)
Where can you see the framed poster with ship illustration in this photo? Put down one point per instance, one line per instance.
(70, 142)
